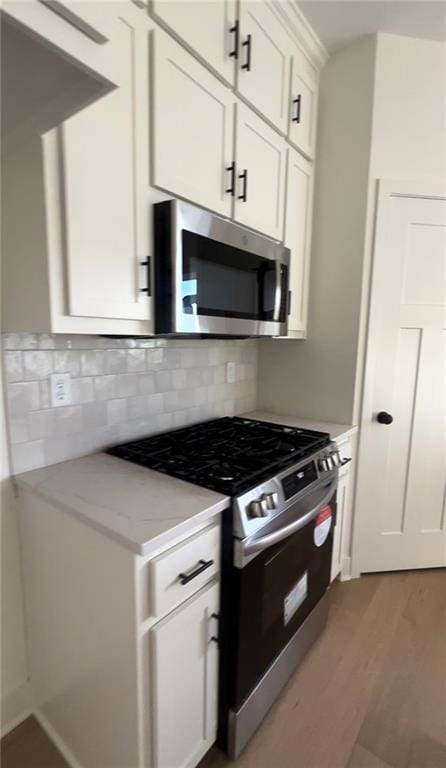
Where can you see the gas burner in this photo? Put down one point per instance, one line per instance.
(229, 455)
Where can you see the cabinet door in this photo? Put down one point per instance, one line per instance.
(185, 661)
(260, 187)
(204, 27)
(337, 556)
(99, 174)
(303, 105)
(91, 18)
(264, 62)
(297, 237)
(192, 141)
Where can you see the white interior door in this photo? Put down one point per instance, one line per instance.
(402, 466)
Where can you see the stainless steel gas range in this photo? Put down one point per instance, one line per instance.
(277, 539)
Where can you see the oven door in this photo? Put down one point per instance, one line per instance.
(223, 279)
(279, 587)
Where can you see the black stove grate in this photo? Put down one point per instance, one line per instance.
(229, 455)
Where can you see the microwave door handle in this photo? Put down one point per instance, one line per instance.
(278, 293)
(258, 545)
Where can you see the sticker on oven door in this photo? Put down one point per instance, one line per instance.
(322, 526)
(295, 598)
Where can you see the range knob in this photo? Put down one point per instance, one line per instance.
(322, 464)
(272, 499)
(258, 508)
(336, 458)
(329, 461)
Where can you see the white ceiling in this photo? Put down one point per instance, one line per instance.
(338, 22)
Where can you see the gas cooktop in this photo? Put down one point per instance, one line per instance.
(229, 455)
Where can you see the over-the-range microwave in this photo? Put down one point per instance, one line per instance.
(215, 278)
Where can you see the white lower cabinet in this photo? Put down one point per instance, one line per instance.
(185, 681)
(297, 237)
(192, 119)
(260, 183)
(342, 531)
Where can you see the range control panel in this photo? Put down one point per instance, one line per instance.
(295, 481)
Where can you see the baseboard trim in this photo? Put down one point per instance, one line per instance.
(16, 707)
(56, 739)
(346, 573)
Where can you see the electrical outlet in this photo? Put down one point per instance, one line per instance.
(230, 373)
(60, 384)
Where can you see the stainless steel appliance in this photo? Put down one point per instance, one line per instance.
(213, 277)
(277, 539)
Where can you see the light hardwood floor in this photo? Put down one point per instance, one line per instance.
(370, 694)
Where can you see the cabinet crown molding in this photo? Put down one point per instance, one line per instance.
(301, 30)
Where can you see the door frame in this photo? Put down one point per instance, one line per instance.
(434, 189)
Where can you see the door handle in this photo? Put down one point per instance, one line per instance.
(231, 169)
(247, 44)
(297, 102)
(244, 176)
(384, 418)
(235, 30)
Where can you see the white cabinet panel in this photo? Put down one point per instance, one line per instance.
(185, 661)
(97, 148)
(90, 18)
(192, 128)
(303, 105)
(264, 62)
(205, 27)
(338, 535)
(297, 238)
(261, 160)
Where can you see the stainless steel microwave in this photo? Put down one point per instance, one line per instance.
(215, 278)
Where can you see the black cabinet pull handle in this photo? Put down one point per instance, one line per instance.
(235, 30)
(203, 565)
(231, 170)
(244, 195)
(215, 639)
(384, 418)
(297, 102)
(290, 293)
(146, 263)
(247, 44)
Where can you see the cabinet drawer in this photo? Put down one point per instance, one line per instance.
(177, 574)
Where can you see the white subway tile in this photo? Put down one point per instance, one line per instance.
(67, 361)
(92, 362)
(105, 387)
(94, 415)
(117, 411)
(68, 420)
(41, 424)
(44, 390)
(146, 383)
(126, 385)
(115, 361)
(37, 364)
(136, 360)
(18, 430)
(27, 456)
(23, 397)
(154, 358)
(20, 340)
(163, 381)
(82, 390)
(13, 366)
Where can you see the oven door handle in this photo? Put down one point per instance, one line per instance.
(258, 545)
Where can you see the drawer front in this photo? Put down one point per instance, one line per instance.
(179, 573)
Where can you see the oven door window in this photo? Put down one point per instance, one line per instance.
(219, 280)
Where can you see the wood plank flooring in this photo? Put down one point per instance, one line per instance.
(371, 693)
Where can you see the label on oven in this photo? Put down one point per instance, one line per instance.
(322, 526)
(295, 598)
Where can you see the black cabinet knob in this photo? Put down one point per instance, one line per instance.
(384, 418)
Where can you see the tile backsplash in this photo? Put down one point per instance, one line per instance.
(120, 389)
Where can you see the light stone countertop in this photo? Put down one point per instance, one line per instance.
(143, 509)
(335, 431)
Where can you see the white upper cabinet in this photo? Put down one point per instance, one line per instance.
(185, 684)
(303, 104)
(208, 28)
(98, 151)
(260, 177)
(264, 62)
(297, 238)
(192, 119)
(92, 18)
